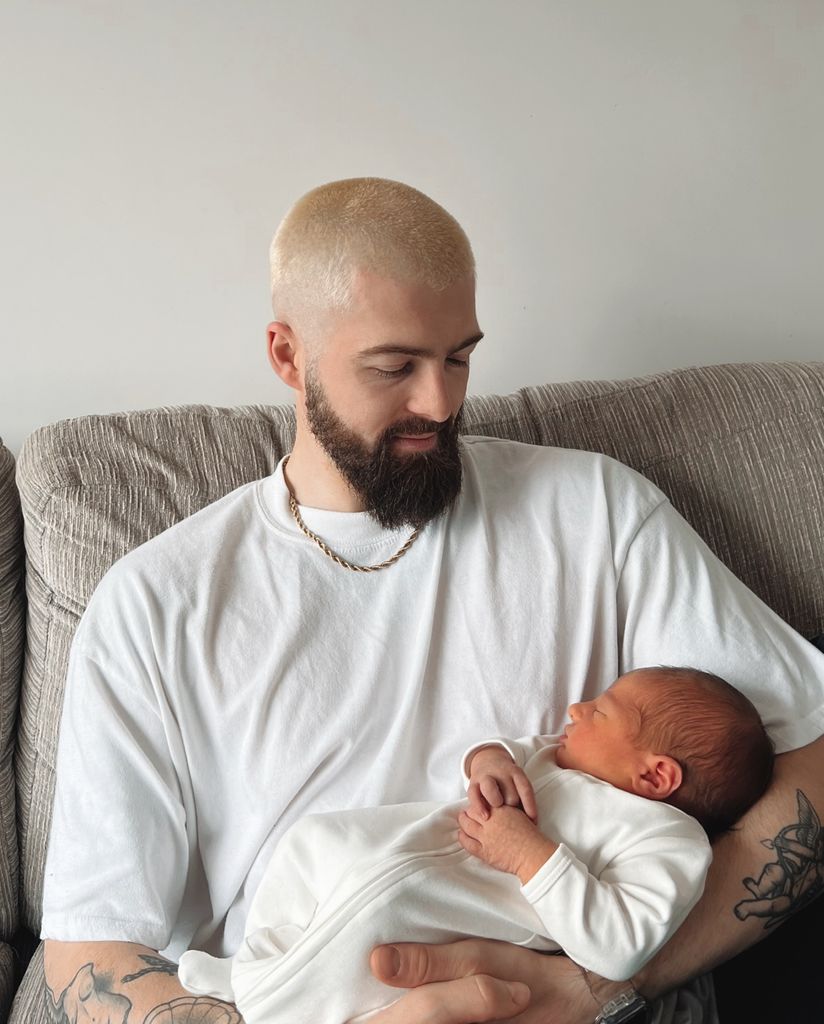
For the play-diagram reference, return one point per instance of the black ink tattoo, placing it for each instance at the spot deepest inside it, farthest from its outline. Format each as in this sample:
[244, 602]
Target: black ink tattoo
[795, 877]
[88, 997]
[194, 1010]
[157, 965]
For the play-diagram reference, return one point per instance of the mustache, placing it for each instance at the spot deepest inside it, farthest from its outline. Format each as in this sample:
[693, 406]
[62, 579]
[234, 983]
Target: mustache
[414, 426]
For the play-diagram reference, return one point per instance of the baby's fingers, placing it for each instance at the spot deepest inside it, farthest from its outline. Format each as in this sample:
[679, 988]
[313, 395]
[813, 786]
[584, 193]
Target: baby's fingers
[478, 807]
[527, 796]
[491, 791]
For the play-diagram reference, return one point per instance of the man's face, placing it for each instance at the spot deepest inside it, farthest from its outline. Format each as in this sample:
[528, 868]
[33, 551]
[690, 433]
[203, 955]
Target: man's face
[384, 395]
[602, 735]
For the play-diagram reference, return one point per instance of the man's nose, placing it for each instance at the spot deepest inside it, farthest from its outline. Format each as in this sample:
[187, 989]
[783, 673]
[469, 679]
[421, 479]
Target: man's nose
[431, 397]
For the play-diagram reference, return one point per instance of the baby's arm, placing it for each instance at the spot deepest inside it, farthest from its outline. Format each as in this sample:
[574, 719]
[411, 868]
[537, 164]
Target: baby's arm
[613, 922]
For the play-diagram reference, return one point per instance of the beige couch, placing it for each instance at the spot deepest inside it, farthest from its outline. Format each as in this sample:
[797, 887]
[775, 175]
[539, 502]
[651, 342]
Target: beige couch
[738, 449]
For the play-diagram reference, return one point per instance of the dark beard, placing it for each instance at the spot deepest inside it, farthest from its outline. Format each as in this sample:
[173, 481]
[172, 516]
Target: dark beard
[406, 490]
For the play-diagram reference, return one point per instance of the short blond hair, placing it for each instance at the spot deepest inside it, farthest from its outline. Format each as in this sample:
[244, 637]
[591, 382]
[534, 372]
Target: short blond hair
[370, 224]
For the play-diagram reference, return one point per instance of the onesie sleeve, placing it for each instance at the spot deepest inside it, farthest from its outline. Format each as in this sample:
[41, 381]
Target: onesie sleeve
[680, 605]
[614, 923]
[118, 852]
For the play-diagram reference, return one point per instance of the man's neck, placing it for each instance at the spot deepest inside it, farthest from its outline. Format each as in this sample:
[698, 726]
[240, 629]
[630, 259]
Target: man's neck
[315, 480]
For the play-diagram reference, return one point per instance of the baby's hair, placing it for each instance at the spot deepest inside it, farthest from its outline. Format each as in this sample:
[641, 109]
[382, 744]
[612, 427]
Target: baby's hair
[370, 224]
[716, 735]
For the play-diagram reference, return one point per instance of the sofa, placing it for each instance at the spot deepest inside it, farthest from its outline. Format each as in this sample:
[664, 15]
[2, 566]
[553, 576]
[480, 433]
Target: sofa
[739, 450]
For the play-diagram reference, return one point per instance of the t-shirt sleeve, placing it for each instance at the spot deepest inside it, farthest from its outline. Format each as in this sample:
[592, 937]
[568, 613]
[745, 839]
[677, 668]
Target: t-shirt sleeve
[118, 851]
[680, 605]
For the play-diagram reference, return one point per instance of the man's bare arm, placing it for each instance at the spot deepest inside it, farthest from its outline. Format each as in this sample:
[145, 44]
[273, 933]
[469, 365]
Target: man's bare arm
[121, 982]
[771, 866]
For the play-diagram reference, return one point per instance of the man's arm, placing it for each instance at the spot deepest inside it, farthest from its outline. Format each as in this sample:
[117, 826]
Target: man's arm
[771, 866]
[121, 982]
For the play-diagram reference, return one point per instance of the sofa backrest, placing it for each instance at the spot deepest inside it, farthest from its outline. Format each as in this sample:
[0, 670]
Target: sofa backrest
[738, 449]
[12, 618]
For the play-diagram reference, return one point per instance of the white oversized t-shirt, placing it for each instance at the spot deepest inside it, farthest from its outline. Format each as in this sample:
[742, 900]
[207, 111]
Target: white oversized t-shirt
[228, 678]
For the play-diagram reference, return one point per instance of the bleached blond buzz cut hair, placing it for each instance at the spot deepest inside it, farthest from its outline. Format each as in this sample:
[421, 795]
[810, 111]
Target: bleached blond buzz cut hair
[361, 224]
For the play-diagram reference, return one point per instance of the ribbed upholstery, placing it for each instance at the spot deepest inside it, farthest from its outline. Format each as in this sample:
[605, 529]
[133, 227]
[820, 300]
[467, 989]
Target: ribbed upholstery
[12, 640]
[738, 449]
[7, 967]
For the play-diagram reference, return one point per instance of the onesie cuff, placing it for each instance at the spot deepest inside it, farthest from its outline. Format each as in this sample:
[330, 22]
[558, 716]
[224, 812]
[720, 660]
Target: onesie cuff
[550, 872]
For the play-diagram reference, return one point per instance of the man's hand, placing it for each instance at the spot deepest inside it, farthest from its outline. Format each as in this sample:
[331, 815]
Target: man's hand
[496, 781]
[508, 841]
[482, 980]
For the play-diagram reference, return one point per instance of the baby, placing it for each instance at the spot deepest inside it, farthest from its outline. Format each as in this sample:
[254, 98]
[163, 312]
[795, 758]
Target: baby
[588, 843]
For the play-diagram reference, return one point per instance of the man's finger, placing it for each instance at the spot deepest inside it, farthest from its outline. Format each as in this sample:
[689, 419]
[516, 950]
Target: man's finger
[409, 964]
[461, 1001]
[464, 1001]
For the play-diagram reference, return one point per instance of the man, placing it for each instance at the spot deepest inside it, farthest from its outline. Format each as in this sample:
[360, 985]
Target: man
[387, 591]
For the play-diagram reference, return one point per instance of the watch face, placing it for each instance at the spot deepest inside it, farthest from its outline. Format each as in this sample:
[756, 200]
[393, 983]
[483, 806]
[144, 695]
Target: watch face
[627, 1008]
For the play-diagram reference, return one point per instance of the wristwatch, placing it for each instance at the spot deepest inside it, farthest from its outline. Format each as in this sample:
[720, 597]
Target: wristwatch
[629, 1007]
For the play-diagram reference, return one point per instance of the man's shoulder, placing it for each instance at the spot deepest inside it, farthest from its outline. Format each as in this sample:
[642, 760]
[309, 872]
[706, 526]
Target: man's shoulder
[518, 467]
[184, 550]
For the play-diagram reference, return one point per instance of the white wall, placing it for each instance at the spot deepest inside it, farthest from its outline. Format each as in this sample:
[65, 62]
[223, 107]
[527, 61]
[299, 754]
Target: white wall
[641, 179]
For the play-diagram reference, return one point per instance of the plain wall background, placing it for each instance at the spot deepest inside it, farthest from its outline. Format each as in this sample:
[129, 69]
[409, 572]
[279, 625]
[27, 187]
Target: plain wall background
[641, 181]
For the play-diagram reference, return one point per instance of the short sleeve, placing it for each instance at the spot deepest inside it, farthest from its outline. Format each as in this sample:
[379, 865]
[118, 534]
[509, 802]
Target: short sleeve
[680, 605]
[118, 851]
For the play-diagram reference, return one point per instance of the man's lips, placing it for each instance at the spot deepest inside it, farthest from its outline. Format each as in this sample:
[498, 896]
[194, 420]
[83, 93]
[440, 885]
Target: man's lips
[416, 442]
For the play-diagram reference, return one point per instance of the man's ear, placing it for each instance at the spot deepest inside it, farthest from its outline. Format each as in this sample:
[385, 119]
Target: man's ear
[284, 354]
[658, 777]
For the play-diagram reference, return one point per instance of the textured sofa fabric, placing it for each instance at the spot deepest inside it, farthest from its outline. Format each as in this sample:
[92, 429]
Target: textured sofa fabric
[738, 449]
[12, 615]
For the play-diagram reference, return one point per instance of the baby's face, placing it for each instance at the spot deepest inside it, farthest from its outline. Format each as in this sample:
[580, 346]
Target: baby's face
[601, 737]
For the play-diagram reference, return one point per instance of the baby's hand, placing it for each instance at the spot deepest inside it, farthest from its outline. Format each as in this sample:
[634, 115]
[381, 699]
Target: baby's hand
[508, 841]
[494, 781]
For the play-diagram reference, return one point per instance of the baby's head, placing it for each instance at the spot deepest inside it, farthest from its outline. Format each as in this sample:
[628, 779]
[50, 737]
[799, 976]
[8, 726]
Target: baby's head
[674, 734]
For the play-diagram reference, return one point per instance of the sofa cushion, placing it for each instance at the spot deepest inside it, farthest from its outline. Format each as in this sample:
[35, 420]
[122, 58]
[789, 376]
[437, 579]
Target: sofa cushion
[7, 979]
[739, 450]
[12, 619]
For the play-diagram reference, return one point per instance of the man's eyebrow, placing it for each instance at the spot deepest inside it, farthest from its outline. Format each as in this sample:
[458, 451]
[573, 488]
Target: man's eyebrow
[411, 350]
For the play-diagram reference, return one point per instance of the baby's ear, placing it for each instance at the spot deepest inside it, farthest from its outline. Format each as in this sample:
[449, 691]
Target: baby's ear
[658, 777]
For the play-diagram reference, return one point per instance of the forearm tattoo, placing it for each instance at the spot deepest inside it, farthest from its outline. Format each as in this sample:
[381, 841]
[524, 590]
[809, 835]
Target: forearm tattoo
[88, 997]
[194, 1010]
[156, 964]
[795, 877]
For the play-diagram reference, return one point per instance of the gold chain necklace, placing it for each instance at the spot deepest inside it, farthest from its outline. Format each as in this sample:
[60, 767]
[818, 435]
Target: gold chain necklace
[293, 508]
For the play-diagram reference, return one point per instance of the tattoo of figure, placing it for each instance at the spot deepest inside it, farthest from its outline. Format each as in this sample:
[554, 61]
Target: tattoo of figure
[88, 997]
[156, 964]
[194, 1010]
[795, 877]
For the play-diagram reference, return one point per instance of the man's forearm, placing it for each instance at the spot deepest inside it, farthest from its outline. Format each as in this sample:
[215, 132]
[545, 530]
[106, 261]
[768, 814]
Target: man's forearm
[761, 874]
[123, 983]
